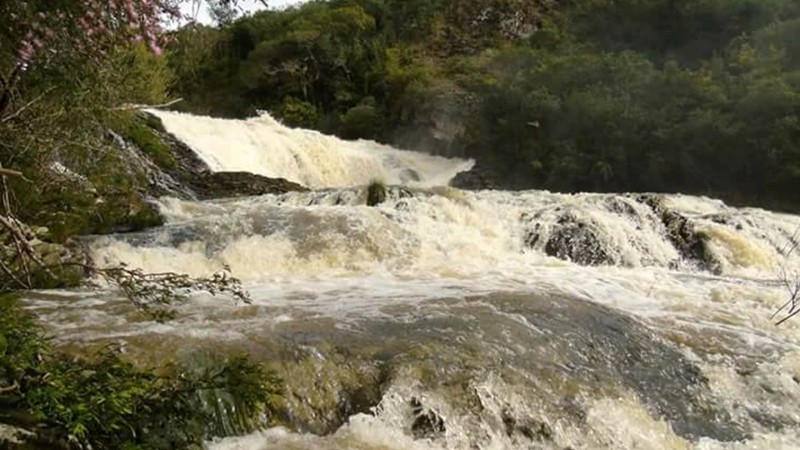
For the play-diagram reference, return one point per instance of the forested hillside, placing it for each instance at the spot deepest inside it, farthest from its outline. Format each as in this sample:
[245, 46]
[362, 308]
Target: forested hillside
[694, 96]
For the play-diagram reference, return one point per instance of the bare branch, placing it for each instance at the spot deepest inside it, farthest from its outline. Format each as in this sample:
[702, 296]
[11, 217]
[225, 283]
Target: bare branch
[7, 270]
[790, 282]
[13, 173]
[791, 314]
[139, 106]
[156, 293]
[12, 388]
[16, 113]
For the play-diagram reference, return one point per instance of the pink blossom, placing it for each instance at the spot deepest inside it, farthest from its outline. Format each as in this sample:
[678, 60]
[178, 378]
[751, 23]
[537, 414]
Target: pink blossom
[155, 48]
[100, 25]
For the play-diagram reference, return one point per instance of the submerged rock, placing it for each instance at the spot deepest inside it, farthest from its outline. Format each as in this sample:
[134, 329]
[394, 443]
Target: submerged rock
[322, 391]
[427, 423]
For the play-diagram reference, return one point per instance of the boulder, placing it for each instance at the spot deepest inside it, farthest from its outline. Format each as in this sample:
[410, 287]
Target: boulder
[475, 179]
[690, 243]
[376, 194]
[577, 242]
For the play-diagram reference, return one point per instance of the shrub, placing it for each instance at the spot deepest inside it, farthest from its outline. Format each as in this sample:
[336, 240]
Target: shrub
[107, 403]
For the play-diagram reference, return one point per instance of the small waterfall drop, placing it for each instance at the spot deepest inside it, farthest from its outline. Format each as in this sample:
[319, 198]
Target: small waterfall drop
[263, 146]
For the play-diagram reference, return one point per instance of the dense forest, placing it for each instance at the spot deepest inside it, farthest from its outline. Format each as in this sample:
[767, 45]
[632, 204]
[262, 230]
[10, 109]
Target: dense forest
[630, 95]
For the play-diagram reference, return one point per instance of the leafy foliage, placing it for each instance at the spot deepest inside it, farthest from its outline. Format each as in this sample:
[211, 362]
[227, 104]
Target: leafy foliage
[156, 294]
[107, 403]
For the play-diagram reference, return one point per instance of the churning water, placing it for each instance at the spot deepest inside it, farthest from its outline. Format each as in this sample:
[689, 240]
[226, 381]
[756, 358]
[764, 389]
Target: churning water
[444, 319]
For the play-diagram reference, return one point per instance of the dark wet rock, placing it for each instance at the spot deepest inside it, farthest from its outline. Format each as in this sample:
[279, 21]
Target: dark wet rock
[533, 235]
[376, 194]
[475, 179]
[532, 429]
[691, 244]
[211, 185]
[577, 242]
[427, 423]
[770, 421]
[620, 205]
[568, 238]
[408, 175]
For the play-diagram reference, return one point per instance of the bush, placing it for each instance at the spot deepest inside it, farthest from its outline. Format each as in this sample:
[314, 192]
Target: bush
[297, 113]
[107, 403]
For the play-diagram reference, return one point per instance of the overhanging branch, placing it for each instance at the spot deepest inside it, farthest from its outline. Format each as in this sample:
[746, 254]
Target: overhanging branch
[130, 106]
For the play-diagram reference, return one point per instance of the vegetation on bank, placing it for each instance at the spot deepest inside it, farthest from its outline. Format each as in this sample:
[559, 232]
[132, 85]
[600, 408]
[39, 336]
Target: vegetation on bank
[107, 403]
[689, 96]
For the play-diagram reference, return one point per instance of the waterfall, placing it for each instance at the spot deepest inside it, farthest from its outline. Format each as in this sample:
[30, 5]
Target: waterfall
[263, 146]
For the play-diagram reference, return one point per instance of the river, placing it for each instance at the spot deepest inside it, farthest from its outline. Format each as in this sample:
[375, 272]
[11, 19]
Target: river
[448, 319]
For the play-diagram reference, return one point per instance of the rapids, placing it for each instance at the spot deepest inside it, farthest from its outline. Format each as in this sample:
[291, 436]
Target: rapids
[445, 319]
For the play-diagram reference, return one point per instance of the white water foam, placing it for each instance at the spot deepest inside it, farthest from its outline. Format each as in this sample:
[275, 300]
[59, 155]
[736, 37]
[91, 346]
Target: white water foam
[263, 146]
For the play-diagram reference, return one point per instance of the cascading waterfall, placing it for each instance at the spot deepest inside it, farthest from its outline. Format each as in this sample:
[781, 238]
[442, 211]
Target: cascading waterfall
[263, 146]
[496, 320]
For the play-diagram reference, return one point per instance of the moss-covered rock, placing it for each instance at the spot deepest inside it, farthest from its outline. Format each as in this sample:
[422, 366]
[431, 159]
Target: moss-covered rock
[321, 392]
[376, 193]
[140, 130]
